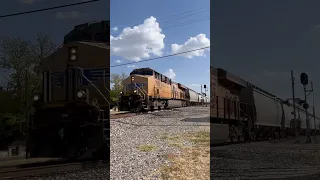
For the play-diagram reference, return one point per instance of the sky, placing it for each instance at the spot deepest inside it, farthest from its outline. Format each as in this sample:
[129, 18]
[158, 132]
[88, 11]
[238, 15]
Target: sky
[261, 41]
[145, 29]
[54, 23]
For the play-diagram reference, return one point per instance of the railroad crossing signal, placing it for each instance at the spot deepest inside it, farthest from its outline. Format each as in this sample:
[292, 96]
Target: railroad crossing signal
[305, 105]
[304, 79]
[204, 86]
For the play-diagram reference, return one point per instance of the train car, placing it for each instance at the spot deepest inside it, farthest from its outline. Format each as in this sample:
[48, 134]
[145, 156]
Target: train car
[194, 97]
[146, 89]
[70, 117]
[240, 111]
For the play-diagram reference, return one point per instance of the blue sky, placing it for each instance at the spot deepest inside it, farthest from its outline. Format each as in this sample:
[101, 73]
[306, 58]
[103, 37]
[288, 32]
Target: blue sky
[191, 71]
[262, 41]
[55, 23]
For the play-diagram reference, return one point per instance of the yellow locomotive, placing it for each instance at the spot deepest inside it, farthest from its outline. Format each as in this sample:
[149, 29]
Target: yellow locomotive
[146, 89]
[70, 114]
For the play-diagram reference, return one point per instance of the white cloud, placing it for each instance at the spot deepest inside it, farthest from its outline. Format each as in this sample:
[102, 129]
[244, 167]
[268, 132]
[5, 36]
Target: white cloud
[170, 74]
[115, 28]
[118, 61]
[192, 43]
[69, 15]
[131, 66]
[139, 42]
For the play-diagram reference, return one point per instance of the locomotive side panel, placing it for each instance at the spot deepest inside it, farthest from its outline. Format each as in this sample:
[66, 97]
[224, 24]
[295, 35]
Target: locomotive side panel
[161, 89]
[213, 86]
[223, 104]
[268, 110]
[175, 94]
[152, 91]
[181, 94]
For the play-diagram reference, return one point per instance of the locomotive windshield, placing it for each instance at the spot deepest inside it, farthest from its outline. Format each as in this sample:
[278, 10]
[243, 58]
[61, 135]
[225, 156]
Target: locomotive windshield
[147, 72]
[96, 31]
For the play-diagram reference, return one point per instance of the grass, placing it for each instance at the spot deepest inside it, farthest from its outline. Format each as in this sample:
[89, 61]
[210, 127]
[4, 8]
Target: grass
[194, 163]
[147, 148]
[167, 137]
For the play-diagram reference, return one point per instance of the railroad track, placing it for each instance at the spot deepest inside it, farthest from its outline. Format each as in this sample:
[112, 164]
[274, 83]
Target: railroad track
[246, 142]
[44, 169]
[130, 114]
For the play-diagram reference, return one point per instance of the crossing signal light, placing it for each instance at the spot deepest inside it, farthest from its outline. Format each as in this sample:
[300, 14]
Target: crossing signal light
[304, 78]
[204, 86]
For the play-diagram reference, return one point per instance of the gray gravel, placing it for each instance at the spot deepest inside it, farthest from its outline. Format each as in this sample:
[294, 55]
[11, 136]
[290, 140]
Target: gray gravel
[127, 134]
[265, 160]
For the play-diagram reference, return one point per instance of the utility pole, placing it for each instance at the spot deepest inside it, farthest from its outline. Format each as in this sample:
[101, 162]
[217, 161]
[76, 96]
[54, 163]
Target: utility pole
[205, 93]
[304, 82]
[27, 106]
[295, 122]
[313, 111]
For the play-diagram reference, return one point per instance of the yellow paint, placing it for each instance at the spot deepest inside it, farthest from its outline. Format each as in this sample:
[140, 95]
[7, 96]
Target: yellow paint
[155, 88]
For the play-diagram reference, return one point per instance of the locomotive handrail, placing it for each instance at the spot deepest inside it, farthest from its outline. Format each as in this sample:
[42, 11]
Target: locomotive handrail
[104, 82]
[145, 92]
[144, 95]
[93, 85]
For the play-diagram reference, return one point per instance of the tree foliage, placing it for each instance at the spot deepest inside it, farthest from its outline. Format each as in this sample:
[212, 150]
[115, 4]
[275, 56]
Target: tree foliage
[22, 59]
[116, 81]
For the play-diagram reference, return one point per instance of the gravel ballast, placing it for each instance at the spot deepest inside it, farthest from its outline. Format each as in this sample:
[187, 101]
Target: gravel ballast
[266, 160]
[128, 134]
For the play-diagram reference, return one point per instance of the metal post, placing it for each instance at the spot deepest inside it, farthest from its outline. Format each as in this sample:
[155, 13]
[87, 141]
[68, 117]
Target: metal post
[313, 112]
[295, 122]
[26, 110]
[206, 92]
[307, 117]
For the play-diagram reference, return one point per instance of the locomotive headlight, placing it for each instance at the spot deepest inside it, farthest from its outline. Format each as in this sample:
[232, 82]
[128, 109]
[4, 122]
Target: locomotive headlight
[121, 92]
[73, 50]
[73, 57]
[36, 97]
[81, 94]
[135, 91]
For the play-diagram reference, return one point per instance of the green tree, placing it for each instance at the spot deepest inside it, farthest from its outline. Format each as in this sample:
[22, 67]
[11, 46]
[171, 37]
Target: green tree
[116, 81]
[22, 58]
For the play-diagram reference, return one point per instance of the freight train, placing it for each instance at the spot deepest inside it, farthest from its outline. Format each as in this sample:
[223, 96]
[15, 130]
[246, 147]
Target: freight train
[241, 111]
[146, 89]
[70, 113]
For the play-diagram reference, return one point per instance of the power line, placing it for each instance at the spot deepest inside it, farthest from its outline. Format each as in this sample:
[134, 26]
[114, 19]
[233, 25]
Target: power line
[50, 8]
[187, 15]
[185, 12]
[161, 57]
[168, 27]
